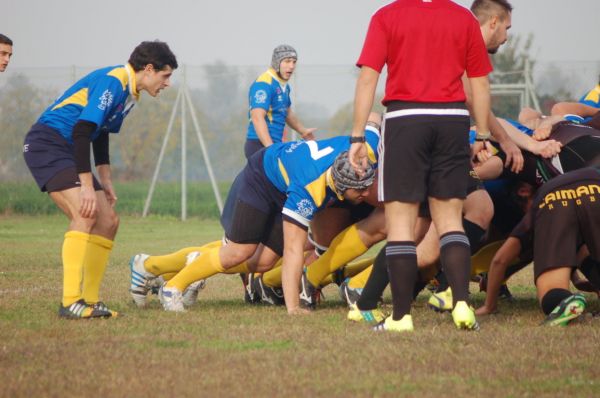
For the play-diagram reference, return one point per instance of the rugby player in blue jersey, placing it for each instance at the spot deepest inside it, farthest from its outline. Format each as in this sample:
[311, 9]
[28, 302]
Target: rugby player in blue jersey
[269, 208]
[6, 50]
[270, 103]
[57, 152]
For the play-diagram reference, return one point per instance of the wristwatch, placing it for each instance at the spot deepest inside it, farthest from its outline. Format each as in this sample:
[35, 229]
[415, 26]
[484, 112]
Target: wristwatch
[354, 140]
[483, 137]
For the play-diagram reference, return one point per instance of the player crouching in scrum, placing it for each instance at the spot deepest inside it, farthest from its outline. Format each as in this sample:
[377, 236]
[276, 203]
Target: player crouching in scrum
[267, 213]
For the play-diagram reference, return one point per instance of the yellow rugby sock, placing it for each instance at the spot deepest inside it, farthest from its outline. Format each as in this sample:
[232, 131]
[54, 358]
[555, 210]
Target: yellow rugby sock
[344, 247]
[272, 278]
[168, 276]
[205, 265]
[174, 262]
[241, 268]
[96, 258]
[356, 267]
[73, 255]
[359, 280]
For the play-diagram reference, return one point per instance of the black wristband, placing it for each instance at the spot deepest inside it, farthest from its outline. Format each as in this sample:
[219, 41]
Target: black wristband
[354, 140]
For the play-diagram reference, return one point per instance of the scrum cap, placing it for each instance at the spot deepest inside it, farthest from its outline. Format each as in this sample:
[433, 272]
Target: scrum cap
[344, 176]
[280, 53]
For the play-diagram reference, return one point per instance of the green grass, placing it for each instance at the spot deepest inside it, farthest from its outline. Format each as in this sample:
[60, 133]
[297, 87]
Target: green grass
[224, 347]
[25, 198]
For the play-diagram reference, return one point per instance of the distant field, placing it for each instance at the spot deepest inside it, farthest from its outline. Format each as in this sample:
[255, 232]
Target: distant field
[25, 198]
[223, 347]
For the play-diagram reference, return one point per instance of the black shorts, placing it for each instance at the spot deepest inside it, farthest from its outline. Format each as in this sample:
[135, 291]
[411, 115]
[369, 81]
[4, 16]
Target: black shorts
[424, 152]
[562, 225]
[474, 183]
[251, 147]
[252, 211]
[50, 159]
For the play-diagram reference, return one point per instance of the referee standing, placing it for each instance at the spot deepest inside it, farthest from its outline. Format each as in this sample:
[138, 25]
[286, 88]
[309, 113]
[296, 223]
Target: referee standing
[427, 45]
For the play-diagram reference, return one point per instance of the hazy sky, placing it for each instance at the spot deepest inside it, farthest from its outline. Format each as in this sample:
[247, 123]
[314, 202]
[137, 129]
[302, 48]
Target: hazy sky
[243, 32]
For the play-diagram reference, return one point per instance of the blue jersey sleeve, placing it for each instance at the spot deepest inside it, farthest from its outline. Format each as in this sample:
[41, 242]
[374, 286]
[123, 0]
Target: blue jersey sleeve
[299, 206]
[103, 95]
[260, 96]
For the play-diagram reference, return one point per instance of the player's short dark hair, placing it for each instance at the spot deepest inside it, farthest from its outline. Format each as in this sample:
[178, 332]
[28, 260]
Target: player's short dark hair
[485, 9]
[5, 40]
[154, 52]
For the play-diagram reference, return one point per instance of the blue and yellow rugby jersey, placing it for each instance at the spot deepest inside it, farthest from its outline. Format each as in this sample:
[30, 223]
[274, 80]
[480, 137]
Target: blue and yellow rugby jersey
[592, 97]
[102, 97]
[272, 94]
[301, 169]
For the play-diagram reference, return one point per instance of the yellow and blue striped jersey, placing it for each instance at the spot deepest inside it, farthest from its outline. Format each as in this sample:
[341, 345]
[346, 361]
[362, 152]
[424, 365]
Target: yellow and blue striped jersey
[302, 169]
[592, 97]
[104, 97]
[272, 94]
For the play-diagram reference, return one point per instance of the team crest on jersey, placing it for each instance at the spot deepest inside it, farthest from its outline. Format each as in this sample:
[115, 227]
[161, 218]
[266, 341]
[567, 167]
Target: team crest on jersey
[260, 96]
[106, 100]
[278, 90]
[305, 208]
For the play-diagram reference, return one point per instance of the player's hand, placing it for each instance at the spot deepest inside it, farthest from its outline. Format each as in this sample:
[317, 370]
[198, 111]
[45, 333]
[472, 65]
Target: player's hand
[514, 157]
[298, 311]
[485, 310]
[309, 134]
[358, 157]
[87, 202]
[547, 148]
[482, 151]
[109, 192]
[542, 132]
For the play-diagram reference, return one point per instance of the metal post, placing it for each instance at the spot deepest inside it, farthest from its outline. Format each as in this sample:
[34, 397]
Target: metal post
[183, 159]
[211, 175]
[162, 153]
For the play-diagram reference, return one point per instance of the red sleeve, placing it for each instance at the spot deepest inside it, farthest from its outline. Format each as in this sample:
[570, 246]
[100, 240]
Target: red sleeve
[478, 60]
[374, 52]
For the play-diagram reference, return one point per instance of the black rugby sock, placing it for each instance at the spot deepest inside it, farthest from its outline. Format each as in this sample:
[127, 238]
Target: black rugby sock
[376, 284]
[474, 233]
[455, 256]
[402, 268]
[553, 298]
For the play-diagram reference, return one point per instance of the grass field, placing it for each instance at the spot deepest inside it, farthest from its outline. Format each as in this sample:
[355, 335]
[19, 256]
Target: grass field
[223, 347]
[25, 198]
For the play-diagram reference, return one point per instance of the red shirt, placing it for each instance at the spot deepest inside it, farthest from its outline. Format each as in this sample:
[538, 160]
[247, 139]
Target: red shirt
[427, 45]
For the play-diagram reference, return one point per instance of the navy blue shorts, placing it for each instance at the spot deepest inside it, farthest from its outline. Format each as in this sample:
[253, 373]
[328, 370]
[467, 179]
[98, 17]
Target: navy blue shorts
[252, 212]
[49, 157]
[251, 147]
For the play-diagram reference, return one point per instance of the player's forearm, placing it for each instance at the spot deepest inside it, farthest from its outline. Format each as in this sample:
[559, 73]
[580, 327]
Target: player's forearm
[104, 173]
[480, 89]
[294, 238]
[290, 278]
[497, 130]
[522, 140]
[496, 274]
[86, 179]
[364, 97]
[262, 130]
[293, 121]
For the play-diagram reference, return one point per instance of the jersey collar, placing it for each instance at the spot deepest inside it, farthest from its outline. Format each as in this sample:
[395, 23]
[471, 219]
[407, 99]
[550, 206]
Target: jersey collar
[132, 85]
[275, 75]
[331, 185]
